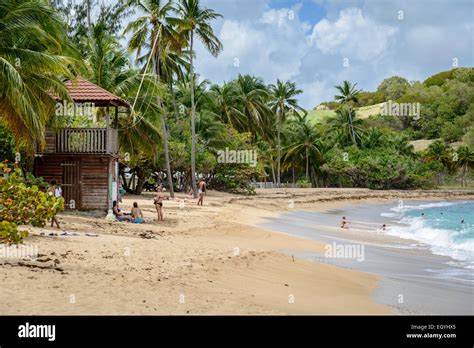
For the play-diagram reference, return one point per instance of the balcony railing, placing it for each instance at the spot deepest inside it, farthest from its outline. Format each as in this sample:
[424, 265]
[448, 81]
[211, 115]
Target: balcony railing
[82, 141]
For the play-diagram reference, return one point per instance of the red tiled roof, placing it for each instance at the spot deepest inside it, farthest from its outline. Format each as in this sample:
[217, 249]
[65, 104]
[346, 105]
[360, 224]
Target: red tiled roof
[82, 90]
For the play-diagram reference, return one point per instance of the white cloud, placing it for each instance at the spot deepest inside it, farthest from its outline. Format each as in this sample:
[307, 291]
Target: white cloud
[270, 45]
[352, 35]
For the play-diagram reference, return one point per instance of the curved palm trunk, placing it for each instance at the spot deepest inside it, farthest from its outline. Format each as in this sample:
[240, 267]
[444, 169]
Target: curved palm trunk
[278, 154]
[273, 168]
[464, 175]
[173, 98]
[352, 127]
[307, 163]
[169, 177]
[193, 123]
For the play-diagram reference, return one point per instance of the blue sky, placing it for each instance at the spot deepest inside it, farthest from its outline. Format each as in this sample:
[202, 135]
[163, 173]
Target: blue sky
[320, 43]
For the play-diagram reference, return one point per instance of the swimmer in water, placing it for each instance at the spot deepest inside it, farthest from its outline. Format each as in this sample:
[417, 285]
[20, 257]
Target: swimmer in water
[344, 222]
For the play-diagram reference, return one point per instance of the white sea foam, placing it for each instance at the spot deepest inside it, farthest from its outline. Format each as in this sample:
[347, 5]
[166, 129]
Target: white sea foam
[441, 241]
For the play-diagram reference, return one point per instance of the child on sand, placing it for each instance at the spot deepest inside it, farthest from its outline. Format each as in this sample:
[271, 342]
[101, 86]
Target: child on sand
[344, 222]
[158, 202]
[137, 214]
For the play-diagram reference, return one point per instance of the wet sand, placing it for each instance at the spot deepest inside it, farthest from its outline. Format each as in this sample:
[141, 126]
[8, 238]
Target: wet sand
[414, 280]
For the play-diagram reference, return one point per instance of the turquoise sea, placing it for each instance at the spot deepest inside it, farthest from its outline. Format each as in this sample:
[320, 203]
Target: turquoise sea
[447, 227]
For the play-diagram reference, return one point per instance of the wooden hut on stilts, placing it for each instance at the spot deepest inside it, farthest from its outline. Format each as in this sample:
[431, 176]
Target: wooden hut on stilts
[84, 161]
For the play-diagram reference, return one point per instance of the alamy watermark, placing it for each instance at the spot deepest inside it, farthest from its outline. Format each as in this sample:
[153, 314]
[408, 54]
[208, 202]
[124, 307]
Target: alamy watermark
[19, 251]
[391, 108]
[345, 251]
[76, 109]
[237, 156]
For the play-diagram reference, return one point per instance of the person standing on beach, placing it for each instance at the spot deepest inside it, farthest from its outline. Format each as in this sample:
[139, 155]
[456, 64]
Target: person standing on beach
[56, 191]
[158, 201]
[202, 191]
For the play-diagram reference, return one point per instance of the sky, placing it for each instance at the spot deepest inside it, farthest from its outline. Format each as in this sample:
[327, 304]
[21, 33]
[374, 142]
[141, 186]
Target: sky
[319, 43]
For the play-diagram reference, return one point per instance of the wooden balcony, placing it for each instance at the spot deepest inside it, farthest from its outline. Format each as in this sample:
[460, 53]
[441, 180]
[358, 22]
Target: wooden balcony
[81, 141]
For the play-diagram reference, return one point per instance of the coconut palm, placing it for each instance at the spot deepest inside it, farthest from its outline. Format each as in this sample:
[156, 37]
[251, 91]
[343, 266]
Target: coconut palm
[156, 32]
[35, 55]
[108, 66]
[304, 143]
[465, 159]
[283, 101]
[373, 138]
[347, 126]
[348, 94]
[252, 99]
[225, 104]
[196, 22]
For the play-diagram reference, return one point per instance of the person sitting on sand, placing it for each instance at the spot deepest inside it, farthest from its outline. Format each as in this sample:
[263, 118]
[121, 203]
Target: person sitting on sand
[344, 222]
[158, 202]
[120, 216]
[56, 191]
[137, 214]
[202, 191]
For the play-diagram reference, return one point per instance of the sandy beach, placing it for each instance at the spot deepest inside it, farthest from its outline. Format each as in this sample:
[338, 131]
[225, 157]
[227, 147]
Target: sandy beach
[215, 259]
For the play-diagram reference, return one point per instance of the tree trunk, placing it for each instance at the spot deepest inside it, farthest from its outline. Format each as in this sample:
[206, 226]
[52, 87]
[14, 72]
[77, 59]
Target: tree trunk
[140, 182]
[278, 150]
[464, 175]
[169, 177]
[273, 168]
[173, 98]
[164, 129]
[352, 127]
[293, 170]
[307, 164]
[89, 22]
[193, 122]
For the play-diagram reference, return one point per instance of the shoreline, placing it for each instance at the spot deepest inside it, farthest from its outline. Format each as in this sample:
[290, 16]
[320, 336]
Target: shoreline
[199, 261]
[407, 268]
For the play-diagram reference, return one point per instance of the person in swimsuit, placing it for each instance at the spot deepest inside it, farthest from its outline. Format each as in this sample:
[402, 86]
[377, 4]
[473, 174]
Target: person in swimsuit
[201, 191]
[158, 201]
[344, 222]
[55, 191]
[118, 213]
[137, 214]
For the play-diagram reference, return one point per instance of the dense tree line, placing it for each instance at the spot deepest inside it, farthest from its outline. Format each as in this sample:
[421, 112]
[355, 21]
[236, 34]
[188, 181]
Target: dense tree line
[180, 122]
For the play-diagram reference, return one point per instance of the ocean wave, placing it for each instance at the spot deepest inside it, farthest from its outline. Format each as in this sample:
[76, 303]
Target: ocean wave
[441, 241]
[401, 208]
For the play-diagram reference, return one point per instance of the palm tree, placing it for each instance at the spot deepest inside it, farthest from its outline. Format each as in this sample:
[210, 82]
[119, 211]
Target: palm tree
[108, 66]
[348, 93]
[252, 99]
[35, 56]
[156, 31]
[196, 21]
[439, 151]
[373, 138]
[283, 100]
[225, 104]
[304, 143]
[465, 159]
[347, 125]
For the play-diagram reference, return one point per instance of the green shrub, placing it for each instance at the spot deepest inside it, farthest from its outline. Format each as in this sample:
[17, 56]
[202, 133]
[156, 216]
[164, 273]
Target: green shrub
[451, 132]
[23, 203]
[303, 183]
